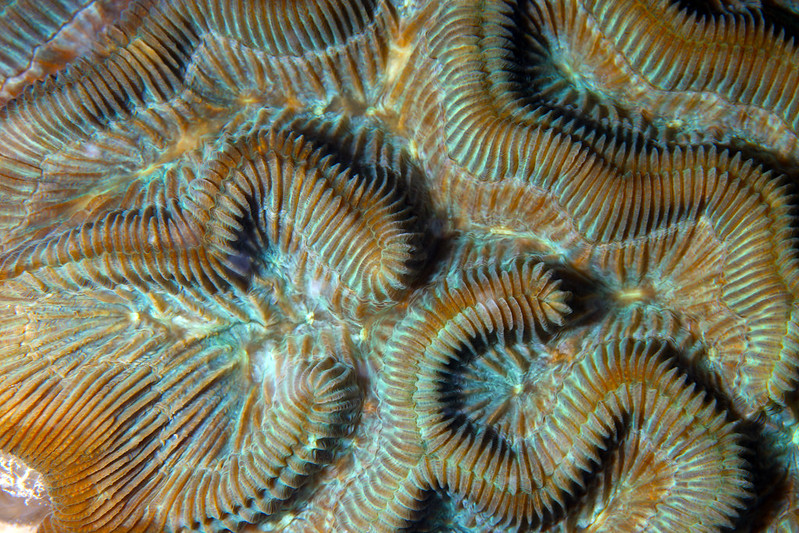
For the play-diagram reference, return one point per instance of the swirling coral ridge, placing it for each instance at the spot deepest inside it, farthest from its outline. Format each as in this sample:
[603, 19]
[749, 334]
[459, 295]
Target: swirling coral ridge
[382, 265]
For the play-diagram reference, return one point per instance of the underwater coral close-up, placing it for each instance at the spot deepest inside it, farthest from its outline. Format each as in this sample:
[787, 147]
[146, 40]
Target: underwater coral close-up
[399, 265]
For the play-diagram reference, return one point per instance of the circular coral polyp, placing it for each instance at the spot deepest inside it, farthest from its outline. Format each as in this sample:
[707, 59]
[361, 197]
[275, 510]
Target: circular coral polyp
[495, 387]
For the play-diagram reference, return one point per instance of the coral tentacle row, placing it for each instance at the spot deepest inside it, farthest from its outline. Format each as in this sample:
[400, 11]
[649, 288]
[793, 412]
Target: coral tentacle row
[104, 122]
[524, 475]
[478, 307]
[694, 467]
[566, 185]
[737, 74]
[680, 200]
[148, 247]
[283, 438]
[54, 35]
[488, 66]
[337, 229]
[158, 441]
[290, 53]
[285, 28]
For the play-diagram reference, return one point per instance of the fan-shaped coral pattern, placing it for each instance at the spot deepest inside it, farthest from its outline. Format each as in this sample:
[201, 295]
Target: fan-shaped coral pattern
[382, 265]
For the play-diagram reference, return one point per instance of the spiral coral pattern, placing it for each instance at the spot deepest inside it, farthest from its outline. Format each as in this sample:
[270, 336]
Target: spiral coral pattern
[385, 265]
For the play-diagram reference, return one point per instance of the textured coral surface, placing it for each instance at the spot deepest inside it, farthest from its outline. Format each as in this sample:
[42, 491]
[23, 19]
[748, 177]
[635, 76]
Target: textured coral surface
[385, 265]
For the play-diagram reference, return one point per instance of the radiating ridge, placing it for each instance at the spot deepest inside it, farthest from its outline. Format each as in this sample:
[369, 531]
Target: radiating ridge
[346, 235]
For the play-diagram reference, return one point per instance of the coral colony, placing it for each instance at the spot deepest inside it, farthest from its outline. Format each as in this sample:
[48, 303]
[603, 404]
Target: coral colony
[386, 265]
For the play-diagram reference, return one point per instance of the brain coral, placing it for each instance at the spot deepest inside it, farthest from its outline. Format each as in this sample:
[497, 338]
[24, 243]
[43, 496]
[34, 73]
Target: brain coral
[385, 265]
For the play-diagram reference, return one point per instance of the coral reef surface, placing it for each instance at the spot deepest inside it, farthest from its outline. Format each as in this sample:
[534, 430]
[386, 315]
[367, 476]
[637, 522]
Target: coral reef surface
[386, 265]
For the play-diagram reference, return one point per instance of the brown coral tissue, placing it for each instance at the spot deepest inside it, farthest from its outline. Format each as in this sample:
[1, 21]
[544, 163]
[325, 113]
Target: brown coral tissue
[399, 265]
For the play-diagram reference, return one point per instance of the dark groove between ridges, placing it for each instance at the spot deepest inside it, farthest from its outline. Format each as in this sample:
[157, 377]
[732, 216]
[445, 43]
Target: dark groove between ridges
[770, 486]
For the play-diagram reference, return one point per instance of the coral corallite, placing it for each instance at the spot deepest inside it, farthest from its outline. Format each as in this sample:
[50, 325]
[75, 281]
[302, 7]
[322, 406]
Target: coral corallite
[399, 265]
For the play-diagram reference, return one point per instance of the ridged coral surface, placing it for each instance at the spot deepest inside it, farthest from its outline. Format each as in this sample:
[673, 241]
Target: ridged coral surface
[384, 265]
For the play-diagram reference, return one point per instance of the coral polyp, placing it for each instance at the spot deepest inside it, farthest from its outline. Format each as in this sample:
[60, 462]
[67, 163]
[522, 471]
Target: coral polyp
[385, 265]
